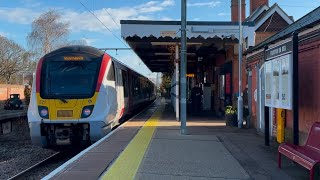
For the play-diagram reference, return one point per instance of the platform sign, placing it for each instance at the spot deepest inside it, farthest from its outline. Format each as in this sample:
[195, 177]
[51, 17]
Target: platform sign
[278, 77]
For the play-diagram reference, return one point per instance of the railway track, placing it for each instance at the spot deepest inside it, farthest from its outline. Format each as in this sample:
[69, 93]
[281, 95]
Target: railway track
[25, 172]
[41, 168]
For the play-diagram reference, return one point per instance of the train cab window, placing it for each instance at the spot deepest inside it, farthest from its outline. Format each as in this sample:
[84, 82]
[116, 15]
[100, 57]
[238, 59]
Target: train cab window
[110, 75]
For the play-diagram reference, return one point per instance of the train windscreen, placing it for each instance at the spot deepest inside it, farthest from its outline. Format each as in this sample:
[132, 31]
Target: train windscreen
[69, 78]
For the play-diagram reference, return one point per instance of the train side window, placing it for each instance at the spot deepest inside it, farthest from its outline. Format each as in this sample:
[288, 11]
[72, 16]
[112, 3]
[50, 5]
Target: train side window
[136, 90]
[110, 75]
[125, 83]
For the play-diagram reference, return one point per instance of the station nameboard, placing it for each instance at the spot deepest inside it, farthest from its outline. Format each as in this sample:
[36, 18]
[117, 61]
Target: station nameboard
[278, 77]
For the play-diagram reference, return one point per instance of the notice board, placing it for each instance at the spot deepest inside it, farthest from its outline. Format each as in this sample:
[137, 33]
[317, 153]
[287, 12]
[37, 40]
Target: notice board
[278, 77]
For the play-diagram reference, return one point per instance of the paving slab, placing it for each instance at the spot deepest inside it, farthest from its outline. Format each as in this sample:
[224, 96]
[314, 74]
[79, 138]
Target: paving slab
[192, 156]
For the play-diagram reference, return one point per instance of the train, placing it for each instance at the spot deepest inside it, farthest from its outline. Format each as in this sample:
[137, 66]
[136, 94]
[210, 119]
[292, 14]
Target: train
[80, 94]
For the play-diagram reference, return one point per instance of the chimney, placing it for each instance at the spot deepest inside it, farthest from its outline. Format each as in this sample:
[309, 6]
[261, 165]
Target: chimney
[235, 10]
[255, 4]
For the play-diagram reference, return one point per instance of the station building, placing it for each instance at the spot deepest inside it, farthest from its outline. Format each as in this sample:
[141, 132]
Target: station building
[212, 49]
[307, 29]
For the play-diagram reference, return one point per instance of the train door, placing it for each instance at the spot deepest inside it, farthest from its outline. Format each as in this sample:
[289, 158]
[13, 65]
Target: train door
[125, 90]
[120, 95]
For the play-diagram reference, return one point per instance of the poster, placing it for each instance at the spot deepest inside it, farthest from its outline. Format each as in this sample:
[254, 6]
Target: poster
[268, 83]
[275, 82]
[278, 82]
[285, 82]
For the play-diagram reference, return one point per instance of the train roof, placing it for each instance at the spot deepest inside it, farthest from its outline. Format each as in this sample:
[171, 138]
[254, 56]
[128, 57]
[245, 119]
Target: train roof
[90, 50]
[76, 48]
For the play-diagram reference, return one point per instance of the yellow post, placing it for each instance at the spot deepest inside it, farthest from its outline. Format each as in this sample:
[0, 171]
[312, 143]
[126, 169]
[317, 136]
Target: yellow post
[281, 118]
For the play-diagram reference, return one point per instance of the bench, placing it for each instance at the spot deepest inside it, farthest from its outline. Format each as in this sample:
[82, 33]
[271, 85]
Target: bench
[308, 155]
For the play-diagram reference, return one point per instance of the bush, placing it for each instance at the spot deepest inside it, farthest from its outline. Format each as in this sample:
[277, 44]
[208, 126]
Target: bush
[231, 116]
[27, 94]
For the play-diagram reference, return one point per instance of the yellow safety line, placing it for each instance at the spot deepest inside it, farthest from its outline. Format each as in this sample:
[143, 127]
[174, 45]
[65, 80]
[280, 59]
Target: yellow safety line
[127, 164]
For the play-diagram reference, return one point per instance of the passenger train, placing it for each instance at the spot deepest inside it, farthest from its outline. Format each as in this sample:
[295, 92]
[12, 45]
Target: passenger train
[80, 94]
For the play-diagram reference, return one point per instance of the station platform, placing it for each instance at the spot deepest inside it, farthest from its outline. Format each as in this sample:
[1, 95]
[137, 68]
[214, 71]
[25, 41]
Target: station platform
[150, 146]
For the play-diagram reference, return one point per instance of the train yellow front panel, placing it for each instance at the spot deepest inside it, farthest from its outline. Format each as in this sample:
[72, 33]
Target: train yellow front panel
[71, 109]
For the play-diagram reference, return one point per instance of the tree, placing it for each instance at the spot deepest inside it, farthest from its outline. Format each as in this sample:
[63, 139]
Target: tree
[12, 58]
[165, 83]
[48, 33]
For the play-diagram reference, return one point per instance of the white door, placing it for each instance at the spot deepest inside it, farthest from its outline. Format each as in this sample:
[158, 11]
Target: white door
[120, 96]
[261, 99]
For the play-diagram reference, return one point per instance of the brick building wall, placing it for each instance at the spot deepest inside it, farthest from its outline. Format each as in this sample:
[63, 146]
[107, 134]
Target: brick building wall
[274, 23]
[235, 10]
[255, 4]
[261, 36]
[6, 90]
[309, 97]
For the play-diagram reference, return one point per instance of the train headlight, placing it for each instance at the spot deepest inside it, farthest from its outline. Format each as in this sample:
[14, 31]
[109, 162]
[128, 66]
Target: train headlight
[86, 111]
[43, 112]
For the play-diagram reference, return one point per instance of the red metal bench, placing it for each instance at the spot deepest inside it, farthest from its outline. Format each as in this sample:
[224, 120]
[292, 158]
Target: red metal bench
[308, 155]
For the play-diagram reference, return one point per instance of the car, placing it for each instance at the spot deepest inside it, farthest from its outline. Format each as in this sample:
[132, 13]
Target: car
[14, 102]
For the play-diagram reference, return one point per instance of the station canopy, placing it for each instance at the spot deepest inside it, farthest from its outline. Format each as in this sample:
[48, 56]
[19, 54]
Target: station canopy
[154, 41]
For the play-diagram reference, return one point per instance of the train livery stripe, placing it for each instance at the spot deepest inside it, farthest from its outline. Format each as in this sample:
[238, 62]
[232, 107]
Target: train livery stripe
[127, 164]
[38, 76]
[104, 63]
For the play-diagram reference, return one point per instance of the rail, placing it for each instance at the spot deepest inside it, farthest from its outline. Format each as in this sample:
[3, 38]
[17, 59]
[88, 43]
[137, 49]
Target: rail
[43, 162]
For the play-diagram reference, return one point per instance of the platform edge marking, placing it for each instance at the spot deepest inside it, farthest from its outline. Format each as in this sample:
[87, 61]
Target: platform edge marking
[128, 162]
[66, 164]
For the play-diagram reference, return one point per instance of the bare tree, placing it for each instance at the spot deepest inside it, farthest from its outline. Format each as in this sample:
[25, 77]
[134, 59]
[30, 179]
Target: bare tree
[48, 33]
[12, 58]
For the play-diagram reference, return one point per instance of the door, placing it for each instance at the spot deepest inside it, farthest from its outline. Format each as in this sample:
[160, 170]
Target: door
[120, 95]
[250, 95]
[261, 91]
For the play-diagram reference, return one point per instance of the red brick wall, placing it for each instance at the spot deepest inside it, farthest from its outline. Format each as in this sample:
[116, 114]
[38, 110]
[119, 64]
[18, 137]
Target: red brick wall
[254, 4]
[6, 90]
[235, 10]
[261, 36]
[309, 96]
[254, 87]
[309, 73]
[274, 23]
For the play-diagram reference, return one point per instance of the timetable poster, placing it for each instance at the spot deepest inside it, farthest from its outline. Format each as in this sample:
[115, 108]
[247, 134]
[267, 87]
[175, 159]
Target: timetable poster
[286, 83]
[268, 83]
[276, 82]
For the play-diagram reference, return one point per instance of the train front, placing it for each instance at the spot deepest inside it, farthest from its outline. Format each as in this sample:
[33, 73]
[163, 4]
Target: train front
[64, 102]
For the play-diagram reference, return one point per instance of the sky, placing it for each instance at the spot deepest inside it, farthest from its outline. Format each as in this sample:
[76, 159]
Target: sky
[16, 17]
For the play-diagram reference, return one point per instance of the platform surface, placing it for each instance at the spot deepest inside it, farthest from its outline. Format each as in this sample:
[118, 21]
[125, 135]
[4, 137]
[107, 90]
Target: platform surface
[150, 147]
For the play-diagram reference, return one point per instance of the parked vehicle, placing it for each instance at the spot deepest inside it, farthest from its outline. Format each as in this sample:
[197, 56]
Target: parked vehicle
[14, 102]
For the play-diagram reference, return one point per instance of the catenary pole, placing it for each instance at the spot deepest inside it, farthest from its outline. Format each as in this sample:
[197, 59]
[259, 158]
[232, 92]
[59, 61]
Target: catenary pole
[183, 68]
[240, 100]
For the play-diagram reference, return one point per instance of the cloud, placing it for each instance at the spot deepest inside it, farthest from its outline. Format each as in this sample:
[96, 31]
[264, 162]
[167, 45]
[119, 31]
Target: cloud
[88, 41]
[18, 15]
[210, 4]
[224, 14]
[31, 3]
[5, 34]
[87, 22]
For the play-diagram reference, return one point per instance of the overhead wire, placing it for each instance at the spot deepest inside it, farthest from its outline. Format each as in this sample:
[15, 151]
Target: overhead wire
[112, 18]
[102, 23]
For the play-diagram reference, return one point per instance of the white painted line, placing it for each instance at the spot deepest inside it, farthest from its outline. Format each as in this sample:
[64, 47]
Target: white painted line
[63, 166]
